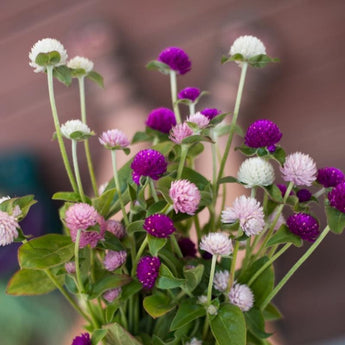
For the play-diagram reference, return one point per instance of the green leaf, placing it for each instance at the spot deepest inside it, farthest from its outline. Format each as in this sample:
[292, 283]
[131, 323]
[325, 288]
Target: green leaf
[110, 242]
[67, 196]
[157, 207]
[141, 137]
[156, 244]
[108, 282]
[229, 326]
[130, 289]
[279, 155]
[26, 282]
[96, 77]
[97, 336]
[274, 193]
[46, 251]
[42, 59]
[193, 277]
[188, 311]
[272, 313]
[261, 60]
[247, 151]
[195, 150]
[118, 335]
[54, 57]
[158, 66]
[71, 284]
[228, 179]
[335, 219]
[218, 119]
[158, 305]
[167, 280]
[135, 226]
[24, 203]
[196, 139]
[63, 74]
[284, 235]
[256, 323]
[103, 203]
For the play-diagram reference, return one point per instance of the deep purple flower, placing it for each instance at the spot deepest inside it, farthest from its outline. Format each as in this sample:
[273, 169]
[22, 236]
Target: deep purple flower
[149, 163]
[176, 59]
[147, 271]
[191, 93]
[161, 119]
[303, 225]
[187, 247]
[336, 197]
[329, 176]
[303, 195]
[262, 133]
[210, 112]
[159, 225]
[83, 339]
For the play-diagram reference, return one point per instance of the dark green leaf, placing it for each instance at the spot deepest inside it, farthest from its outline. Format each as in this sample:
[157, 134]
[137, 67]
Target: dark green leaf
[272, 313]
[110, 242]
[284, 235]
[335, 219]
[96, 77]
[97, 336]
[261, 60]
[196, 139]
[157, 207]
[279, 155]
[130, 289]
[135, 226]
[248, 151]
[140, 137]
[70, 284]
[103, 203]
[274, 193]
[158, 66]
[256, 323]
[195, 150]
[63, 74]
[67, 196]
[228, 179]
[193, 277]
[157, 305]
[54, 57]
[108, 282]
[118, 335]
[42, 59]
[218, 119]
[167, 280]
[156, 244]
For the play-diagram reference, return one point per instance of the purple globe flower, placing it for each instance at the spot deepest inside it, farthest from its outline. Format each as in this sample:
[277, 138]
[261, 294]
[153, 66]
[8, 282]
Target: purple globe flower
[329, 176]
[336, 197]
[176, 59]
[262, 133]
[83, 339]
[147, 271]
[149, 163]
[187, 247]
[283, 189]
[159, 225]
[161, 119]
[304, 225]
[303, 195]
[191, 93]
[210, 112]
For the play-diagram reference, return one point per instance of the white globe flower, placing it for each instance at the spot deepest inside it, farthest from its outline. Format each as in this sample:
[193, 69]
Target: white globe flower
[242, 296]
[248, 46]
[221, 280]
[79, 62]
[73, 126]
[216, 243]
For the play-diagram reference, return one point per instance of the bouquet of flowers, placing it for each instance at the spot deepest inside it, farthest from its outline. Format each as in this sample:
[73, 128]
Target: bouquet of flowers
[136, 260]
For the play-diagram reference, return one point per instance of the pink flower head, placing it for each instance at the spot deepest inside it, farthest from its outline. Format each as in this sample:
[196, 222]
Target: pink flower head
[216, 243]
[113, 260]
[221, 280]
[8, 228]
[116, 228]
[111, 294]
[242, 296]
[70, 267]
[114, 139]
[300, 169]
[179, 132]
[199, 119]
[185, 196]
[82, 216]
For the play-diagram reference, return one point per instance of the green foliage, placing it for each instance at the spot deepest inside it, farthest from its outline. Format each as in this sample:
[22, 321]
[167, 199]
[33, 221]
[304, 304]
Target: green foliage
[158, 66]
[108, 282]
[63, 74]
[158, 305]
[336, 219]
[95, 77]
[284, 235]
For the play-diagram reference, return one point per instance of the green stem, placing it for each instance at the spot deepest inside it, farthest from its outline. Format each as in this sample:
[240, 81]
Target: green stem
[153, 190]
[294, 268]
[58, 130]
[76, 170]
[184, 151]
[77, 267]
[319, 193]
[176, 246]
[253, 192]
[233, 266]
[191, 108]
[173, 89]
[210, 282]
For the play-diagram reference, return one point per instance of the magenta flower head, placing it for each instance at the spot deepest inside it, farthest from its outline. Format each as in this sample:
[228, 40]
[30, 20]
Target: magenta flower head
[159, 225]
[304, 226]
[147, 271]
[114, 139]
[336, 197]
[330, 177]
[187, 247]
[262, 133]
[161, 119]
[149, 163]
[8, 228]
[83, 339]
[82, 216]
[116, 228]
[179, 132]
[190, 93]
[176, 59]
[303, 195]
[113, 259]
[210, 112]
[185, 196]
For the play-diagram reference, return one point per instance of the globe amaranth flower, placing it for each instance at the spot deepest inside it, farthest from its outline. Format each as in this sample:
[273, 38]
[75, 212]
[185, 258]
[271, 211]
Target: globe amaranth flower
[216, 243]
[83, 339]
[161, 119]
[70, 267]
[336, 197]
[199, 119]
[330, 177]
[111, 294]
[242, 296]
[159, 225]
[187, 247]
[114, 259]
[299, 168]
[147, 271]
[248, 46]
[262, 133]
[73, 126]
[248, 212]
[114, 139]
[149, 163]
[185, 196]
[303, 225]
[303, 195]
[82, 216]
[190, 93]
[256, 171]
[176, 59]
[116, 228]
[221, 280]
[47, 45]
[79, 62]
[8, 228]
[180, 132]
[210, 113]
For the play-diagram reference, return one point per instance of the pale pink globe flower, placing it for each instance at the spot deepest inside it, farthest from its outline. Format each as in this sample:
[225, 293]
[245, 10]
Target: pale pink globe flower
[116, 228]
[216, 243]
[70, 267]
[111, 294]
[180, 132]
[199, 119]
[221, 280]
[114, 259]
[242, 296]
[114, 138]
[8, 228]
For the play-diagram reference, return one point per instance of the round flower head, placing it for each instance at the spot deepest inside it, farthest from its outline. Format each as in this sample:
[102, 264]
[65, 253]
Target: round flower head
[116, 228]
[70, 267]
[73, 126]
[329, 176]
[299, 168]
[256, 171]
[47, 45]
[114, 139]
[303, 195]
[194, 341]
[79, 62]
[242, 296]
[185, 196]
[111, 294]
[199, 119]
[179, 132]
[248, 46]
[176, 59]
[303, 225]
[262, 133]
[190, 93]
[187, 247]
[248, 212]
[210, 113]
[336, 197]
[221, 280]
[83, 339]
[216, 243]
[161, 119]
[159, 225]
[113, 260]
[8, 228]
[149, 163]
[147, 271]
